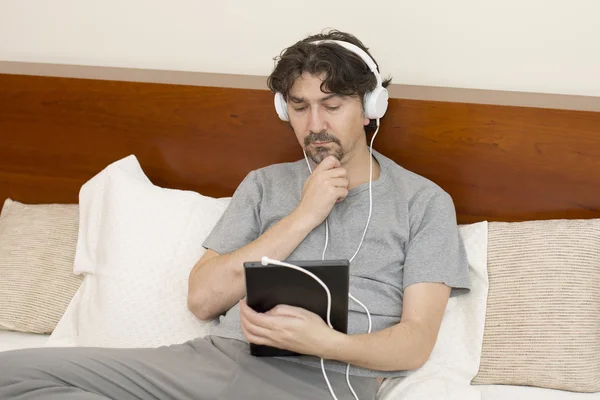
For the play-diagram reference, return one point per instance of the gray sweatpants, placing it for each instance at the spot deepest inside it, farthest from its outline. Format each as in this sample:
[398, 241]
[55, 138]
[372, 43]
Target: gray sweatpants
[202, 369]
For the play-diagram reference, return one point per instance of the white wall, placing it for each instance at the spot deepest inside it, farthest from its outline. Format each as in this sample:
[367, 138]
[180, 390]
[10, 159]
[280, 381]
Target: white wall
[550, 46]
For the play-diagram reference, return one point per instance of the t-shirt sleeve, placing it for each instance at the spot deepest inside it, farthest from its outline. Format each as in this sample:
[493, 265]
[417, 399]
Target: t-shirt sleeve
[240, 223]
[435, 251]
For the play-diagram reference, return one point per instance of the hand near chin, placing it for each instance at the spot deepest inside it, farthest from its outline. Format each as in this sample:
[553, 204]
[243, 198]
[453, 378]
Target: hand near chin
[325, 187]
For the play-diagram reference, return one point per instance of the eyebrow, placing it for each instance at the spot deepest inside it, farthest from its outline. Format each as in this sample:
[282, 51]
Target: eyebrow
[295, 99]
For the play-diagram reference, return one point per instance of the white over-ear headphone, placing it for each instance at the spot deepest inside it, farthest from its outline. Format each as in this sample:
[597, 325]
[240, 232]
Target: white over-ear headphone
[375, 102]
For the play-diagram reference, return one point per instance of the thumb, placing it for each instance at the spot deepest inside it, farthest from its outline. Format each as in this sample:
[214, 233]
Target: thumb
[283, 310]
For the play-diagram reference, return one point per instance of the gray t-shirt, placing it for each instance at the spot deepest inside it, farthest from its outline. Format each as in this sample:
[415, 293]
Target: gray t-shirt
[412, 237]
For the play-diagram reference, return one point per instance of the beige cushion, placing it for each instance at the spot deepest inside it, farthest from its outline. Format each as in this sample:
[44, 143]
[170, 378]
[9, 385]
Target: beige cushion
[543, 311]
[37, 248]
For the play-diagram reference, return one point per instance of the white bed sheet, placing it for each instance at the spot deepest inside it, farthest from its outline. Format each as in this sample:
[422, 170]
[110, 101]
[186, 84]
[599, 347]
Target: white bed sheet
[18, 340]
[504, 392]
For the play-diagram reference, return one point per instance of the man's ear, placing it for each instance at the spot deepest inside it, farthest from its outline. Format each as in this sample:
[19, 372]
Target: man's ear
[367, 121]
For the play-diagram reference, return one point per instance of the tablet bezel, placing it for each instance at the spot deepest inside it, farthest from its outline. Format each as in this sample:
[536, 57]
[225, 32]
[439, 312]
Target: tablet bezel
[267, 286]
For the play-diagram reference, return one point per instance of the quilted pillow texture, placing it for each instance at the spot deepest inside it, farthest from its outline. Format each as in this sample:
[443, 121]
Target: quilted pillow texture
[137, 244]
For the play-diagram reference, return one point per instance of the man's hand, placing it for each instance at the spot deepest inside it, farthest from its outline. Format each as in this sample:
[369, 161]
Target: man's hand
[326, 186]
[289, 328]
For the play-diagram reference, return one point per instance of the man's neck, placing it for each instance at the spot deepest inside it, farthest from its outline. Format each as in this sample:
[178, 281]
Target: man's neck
[357, 169]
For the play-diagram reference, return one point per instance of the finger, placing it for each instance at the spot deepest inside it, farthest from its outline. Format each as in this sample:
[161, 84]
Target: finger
[243, 326]
[328, 163]
[256, 339]
[338, 172]
[288, 312]
[246, 312]
[255, 331]
[255, 318]
[244, 307]
[339, 182]
[284, 310]
[341, 194]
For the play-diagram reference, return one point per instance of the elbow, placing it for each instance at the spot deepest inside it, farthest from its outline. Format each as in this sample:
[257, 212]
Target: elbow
[419, 361]
[413, 362]
[423, 354]
[410, 362]
[211, 290]
[423, 344]
[198, 297]
[200, 306]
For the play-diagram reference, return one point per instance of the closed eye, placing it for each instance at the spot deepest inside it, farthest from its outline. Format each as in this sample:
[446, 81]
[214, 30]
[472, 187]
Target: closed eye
[332, 108]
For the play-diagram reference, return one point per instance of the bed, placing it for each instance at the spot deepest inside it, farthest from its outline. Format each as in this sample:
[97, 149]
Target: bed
[61, 125]
[11, 340]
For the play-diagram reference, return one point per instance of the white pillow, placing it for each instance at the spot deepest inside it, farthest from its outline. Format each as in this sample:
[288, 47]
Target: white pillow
[136, 246]
[457, 353]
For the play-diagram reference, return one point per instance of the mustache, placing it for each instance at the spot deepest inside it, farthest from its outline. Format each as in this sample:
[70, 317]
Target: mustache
[322, 136]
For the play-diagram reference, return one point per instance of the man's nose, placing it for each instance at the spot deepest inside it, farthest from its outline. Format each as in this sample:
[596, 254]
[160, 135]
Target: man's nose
[317, 121]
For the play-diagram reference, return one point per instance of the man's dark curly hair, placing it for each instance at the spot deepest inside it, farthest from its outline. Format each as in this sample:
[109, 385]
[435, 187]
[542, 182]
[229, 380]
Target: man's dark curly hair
[344, 72]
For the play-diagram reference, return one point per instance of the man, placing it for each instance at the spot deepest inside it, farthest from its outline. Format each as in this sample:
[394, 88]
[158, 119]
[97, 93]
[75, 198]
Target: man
[404, 270]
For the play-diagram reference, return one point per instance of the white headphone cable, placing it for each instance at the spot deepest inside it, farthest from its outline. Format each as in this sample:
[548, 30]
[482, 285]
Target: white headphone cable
[351, 259]
[359, 246]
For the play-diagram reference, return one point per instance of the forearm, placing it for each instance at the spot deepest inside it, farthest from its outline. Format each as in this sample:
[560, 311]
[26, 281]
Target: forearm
[217, 284]
[404, 346]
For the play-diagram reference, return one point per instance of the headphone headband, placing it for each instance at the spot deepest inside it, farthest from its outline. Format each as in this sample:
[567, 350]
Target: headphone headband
[375, 102]
[359, 52]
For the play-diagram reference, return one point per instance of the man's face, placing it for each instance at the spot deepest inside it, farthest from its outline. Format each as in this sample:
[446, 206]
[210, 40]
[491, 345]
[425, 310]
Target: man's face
[325, 123]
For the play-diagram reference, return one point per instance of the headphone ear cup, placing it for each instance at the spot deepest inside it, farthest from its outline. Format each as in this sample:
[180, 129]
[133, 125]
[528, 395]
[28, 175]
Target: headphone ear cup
[376, 103]
[281, 107]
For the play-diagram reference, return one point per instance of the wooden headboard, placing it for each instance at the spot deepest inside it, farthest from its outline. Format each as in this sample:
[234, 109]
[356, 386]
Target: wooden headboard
[499, 163]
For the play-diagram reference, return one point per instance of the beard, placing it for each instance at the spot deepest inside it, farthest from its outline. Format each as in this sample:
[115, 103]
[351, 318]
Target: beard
[319, 153]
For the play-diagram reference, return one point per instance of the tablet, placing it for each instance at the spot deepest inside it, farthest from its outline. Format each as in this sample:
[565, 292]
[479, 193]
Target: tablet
[270, 285]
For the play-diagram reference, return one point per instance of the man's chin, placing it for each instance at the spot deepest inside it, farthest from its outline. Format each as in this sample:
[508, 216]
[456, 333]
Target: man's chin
[319, 155]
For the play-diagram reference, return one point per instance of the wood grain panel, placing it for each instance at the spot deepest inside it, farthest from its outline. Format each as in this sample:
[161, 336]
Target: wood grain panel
[60, 132]
[498, 162]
